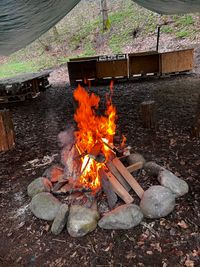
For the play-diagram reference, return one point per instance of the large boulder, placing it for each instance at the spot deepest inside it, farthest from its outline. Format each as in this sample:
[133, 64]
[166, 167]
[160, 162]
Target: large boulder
[39, 185]
[157, 202]
[81, 220]
[178, 186]
[135, 157]
[124, 217]
[152, 168]
[45, 206]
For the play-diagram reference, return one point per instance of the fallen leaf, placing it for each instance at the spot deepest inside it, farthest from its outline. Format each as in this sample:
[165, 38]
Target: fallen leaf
[189, 263]
[182, 224]
[149, 252]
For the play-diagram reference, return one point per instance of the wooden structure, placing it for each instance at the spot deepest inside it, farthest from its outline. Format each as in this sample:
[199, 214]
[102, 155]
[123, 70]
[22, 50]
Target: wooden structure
[112, 67]
[176, 61]
[147, 109]
[130, 66]
[7, 138]
[143, 64]
[23, 86]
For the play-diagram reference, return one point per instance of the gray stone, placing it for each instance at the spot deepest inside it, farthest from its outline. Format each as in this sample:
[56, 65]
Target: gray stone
[81, 220]
[60, 220]
[45, 206]
[152, 168]
[171, 181]
[135, 157]
[39, 185]
[157, 202]
[123, 217]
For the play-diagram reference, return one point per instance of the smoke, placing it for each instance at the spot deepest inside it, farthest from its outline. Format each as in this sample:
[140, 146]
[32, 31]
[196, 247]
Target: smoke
[66, 137]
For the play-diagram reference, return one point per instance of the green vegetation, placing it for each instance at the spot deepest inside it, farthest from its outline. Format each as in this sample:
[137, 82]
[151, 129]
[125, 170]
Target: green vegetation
[12, 68]
[80, 34]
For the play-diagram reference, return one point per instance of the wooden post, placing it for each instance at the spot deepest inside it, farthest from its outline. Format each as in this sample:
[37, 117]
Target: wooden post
[158, 39]
[196, 125]
[7, 137]
[147, 109]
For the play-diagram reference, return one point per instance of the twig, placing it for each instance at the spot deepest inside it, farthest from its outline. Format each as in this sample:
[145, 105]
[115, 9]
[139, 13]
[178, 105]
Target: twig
[59, 240]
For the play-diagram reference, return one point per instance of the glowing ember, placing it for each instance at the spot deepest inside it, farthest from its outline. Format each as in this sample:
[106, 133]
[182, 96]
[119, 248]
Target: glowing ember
[94, 131]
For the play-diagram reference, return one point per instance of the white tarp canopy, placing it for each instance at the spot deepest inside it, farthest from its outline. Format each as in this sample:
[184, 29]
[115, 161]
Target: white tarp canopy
[23, 21]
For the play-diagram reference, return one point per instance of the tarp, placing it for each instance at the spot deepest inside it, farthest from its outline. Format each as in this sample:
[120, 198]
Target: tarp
[23, 21]
[171, 6]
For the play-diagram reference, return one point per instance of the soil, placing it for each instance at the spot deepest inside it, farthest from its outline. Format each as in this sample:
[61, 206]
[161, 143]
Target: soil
[171, 241]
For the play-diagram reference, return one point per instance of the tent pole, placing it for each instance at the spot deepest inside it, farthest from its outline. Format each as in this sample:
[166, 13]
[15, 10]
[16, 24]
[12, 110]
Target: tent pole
[158, 38]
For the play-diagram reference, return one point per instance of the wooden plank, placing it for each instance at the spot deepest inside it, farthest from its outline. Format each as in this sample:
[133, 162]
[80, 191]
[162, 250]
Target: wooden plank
[117, 174]
[176, 61]
[119, 189]
[112, 68]
[143, 63]
[134, 167]
[129, 178]
[80, 70]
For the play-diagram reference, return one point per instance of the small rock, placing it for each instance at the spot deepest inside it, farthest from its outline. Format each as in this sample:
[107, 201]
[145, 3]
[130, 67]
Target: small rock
[171, 181]
[123, 217]
[135, 157]
[60, 220]
[53, 173]
[39, 185]
[152, 168]
[81, 220]
[157, 202]
[45, 206]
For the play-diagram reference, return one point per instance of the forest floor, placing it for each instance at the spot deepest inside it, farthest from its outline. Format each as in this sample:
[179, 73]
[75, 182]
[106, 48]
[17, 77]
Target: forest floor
[173, 241]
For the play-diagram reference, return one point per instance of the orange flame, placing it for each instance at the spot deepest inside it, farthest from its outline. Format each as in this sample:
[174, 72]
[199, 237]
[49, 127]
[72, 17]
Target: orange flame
[93, 132]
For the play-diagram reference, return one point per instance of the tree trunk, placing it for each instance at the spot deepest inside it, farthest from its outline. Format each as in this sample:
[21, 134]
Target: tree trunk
[147, 109]
[55, 32]
[7, 138]
[196, 125]
[104, 14]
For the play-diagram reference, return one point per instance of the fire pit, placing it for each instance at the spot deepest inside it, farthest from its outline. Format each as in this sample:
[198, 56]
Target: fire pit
[94, 169]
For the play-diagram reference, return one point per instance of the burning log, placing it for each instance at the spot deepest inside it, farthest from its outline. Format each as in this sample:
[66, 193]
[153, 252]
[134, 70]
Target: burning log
[7, 138]
[108, 190]
[129, 178]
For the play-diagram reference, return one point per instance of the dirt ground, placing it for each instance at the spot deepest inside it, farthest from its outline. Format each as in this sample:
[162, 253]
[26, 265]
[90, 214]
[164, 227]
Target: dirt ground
[173, 241]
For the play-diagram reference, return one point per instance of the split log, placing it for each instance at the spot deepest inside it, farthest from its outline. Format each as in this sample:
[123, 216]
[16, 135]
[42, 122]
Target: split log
[7, 137]
[196, 125]
[128, 177]
[71, 161]
[118, 175]
[134, 167]
[119, 189]
[108, 190]
[147, 109]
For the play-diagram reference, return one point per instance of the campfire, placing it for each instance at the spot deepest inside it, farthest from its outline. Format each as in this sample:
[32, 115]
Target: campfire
[93, 167]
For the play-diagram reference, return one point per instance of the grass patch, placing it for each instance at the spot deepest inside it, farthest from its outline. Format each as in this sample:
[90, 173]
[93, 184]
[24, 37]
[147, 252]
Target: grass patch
[183, 34]
[167, 29]
[12, 68]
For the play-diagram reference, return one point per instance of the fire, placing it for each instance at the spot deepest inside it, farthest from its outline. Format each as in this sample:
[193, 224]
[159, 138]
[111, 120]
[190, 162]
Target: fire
[94, 132]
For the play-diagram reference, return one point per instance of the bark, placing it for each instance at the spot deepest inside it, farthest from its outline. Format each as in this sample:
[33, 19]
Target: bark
[147, 109]
[7, 136]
